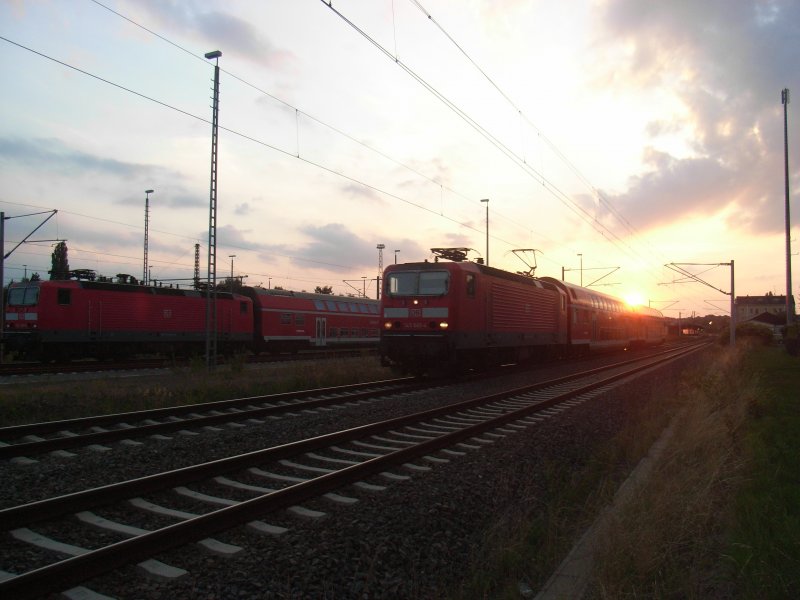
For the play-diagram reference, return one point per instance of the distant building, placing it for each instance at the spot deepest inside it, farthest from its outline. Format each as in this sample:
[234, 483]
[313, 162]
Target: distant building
[774, 322]
[750, 307]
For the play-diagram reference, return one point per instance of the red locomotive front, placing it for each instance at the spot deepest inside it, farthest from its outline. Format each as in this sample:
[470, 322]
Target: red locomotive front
[421, 312]
[460, 315]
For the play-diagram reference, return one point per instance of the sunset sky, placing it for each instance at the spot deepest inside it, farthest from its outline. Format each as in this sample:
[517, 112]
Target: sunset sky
[607, 133]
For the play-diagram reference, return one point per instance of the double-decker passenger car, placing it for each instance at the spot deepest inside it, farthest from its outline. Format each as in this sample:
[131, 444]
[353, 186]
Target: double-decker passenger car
[286, 321]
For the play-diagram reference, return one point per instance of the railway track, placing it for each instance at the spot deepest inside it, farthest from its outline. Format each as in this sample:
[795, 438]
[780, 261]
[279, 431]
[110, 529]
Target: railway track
[23, 441]
[91, 366]
[285, 477]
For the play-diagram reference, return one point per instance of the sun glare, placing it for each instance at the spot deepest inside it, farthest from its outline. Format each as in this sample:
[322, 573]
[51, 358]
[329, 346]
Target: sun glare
[634, 298]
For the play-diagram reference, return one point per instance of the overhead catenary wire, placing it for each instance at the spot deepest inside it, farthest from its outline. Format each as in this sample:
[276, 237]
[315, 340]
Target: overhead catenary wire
[298, 112]
[549, 186]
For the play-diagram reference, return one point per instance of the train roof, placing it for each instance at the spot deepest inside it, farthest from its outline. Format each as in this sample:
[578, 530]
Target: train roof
[109, 286]
[577, 293]
[306, 295]
[586, 295]
[468, 266]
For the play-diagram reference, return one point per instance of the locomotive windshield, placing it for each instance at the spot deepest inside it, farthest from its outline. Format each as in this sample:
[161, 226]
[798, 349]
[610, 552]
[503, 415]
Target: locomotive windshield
[417, 283]
[23, 296]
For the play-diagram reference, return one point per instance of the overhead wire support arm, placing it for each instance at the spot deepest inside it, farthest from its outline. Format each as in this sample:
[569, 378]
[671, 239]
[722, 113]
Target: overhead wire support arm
[25, 239]
[692, 277]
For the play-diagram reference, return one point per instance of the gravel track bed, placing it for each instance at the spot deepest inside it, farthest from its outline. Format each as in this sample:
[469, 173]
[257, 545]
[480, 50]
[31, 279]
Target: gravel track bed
[416, 539]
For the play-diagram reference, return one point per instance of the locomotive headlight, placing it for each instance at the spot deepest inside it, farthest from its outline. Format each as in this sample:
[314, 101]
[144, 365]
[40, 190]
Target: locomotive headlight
[387, 325]
[443, 325]
[415, 302]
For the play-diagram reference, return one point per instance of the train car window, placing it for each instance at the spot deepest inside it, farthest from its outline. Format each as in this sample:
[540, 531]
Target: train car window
[343, 307]
[373, 309]
[363, 308]
[331, 305]
[353, 307]
[64, 296]
[299, 319]
[470, 285]
[286, 318]
[319, 305]
[243, 308]
[23, 296]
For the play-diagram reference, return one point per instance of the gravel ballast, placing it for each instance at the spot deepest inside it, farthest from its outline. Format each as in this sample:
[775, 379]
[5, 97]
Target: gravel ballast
[416, 539]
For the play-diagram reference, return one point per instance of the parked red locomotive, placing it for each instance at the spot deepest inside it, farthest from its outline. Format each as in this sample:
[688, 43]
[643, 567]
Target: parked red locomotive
[60, 320]
[460, 314]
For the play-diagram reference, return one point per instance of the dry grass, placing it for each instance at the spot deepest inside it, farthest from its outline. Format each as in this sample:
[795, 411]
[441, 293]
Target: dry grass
[47, 399]
[669, 541]
[525, 544]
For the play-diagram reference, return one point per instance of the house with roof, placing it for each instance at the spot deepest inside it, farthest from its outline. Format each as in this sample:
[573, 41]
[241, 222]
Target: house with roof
[768, 311]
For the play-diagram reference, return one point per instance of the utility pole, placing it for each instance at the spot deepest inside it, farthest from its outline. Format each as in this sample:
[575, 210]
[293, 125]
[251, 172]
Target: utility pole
[211, 291]
[789, 310]
[197, 266]
[380, 270]
[145, 274]
[486, 200]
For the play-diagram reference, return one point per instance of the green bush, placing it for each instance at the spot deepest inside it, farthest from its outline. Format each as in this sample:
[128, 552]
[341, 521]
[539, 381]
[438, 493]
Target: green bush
[750, 331]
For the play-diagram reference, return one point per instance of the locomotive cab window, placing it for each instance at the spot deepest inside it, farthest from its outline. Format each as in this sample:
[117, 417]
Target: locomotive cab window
[23, 296]
[416, 283]
[64, 296]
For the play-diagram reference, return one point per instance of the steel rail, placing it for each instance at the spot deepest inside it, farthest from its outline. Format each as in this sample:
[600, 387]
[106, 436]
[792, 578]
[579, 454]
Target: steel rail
[72, 571]
[18, 431]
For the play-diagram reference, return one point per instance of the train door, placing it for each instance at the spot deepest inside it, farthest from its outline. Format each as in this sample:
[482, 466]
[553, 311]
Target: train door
[321, 331]
[94, 320]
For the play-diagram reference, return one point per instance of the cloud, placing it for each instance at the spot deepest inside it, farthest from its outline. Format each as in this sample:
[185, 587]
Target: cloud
[362, 192]
[53, 155]
[726, 62]
[334, 246]
[219, 29]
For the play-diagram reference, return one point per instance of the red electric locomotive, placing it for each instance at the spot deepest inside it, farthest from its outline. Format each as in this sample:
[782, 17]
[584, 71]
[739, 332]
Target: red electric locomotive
[287, 321]
[460, 314]
[71, 319]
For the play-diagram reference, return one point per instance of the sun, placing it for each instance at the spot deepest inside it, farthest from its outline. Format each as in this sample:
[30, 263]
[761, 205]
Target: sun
[634, 298]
